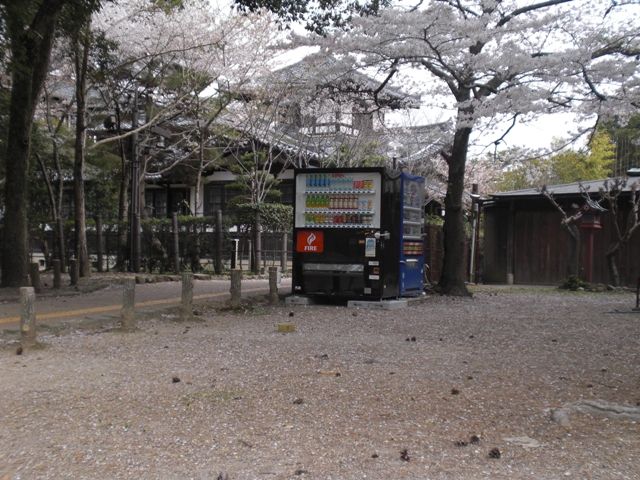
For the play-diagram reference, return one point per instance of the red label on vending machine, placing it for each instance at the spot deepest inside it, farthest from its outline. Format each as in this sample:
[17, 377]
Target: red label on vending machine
[310, 241]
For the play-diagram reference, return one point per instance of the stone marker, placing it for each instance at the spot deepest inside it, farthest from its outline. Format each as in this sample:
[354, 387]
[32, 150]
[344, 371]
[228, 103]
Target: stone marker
[128, 314]
[27, 317]
[273, 285]
[236, 286]
[186, 307]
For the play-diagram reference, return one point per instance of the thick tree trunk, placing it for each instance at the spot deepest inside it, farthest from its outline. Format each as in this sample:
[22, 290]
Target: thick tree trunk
[30, 51]
[82, 254]
[452, 278]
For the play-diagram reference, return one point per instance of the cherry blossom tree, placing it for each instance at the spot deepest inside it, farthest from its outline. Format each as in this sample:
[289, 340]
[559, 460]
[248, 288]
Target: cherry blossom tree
[175, 62]
[490, 60]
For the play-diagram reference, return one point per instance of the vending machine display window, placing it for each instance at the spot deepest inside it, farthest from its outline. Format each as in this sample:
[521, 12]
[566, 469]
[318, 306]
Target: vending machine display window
[338, 200]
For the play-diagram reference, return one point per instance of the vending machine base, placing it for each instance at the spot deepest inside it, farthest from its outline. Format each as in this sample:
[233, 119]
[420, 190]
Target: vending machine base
[381, 305]
[387, 304]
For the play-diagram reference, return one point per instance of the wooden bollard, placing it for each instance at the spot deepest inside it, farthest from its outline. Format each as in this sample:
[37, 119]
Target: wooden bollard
[34, 273]
[57, 277]
[73, 271]
[186, 305]
[27, 317]
[273, 285]
[128, 313]
[236, 286]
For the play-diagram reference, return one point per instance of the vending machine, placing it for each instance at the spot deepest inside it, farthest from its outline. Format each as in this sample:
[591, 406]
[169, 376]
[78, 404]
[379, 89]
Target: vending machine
[357, 233]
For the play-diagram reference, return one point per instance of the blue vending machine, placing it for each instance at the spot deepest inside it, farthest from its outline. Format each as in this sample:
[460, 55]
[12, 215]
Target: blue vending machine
[411, 244]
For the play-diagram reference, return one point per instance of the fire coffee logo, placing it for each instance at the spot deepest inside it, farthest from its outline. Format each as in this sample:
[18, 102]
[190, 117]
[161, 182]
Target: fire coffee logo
[310, 242]
[310, 239]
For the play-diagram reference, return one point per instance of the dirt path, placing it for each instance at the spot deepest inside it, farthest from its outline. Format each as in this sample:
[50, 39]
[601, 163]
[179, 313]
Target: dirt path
[446, 389]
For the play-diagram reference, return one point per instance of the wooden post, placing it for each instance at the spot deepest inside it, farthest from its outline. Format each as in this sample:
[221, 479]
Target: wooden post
[128, 314]
[137, 244]
[34, 272]
[589, 255]
[218, 262]
[57, 280]
[283, 253]
[236, 286]
[99, 251]
[27, 317]
[186, 307]
[73, 271]
[176, 243]
[273, 285]
[511, 227]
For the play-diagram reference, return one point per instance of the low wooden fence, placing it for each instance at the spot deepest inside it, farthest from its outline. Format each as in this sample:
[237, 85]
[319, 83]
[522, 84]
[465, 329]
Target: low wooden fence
[198, 249]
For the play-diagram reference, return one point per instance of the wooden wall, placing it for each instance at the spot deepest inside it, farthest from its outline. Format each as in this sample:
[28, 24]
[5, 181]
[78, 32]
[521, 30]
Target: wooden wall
[541, 247]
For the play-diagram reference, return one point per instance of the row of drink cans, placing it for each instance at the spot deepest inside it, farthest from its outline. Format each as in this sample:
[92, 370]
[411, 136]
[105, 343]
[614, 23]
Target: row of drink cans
[317, 219]
[337, 202]
[337, 182]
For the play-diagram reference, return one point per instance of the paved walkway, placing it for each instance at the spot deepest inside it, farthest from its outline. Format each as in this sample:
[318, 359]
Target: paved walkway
[108, 301]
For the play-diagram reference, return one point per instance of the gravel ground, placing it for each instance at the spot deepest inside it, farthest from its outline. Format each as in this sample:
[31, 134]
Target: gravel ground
[431, 391]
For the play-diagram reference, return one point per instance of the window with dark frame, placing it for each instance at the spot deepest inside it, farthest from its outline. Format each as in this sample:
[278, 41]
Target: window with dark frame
[156, 203]
[217, 197]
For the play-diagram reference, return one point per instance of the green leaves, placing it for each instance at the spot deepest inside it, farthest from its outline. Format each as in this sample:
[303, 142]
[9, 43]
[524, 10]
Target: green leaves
[568, 166]
[274, 217]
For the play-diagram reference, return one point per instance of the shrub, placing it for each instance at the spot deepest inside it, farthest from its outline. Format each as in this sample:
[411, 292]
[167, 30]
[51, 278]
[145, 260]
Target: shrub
[572, 282]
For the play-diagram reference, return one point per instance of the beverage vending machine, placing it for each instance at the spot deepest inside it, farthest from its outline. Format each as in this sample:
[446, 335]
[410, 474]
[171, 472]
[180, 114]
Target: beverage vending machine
[357, 233]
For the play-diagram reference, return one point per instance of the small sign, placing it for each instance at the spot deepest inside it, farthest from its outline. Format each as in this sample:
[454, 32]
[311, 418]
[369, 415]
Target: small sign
[310, 241]
[370, 247]
[374, 262]
[374, 277]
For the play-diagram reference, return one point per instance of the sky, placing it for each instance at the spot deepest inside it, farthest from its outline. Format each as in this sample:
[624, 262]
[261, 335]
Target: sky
[536, 135]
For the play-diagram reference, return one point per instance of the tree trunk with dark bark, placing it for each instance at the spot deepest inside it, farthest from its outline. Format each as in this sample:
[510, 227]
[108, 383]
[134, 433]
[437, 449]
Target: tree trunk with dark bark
[257, 244]
[452, 278]
[82, 253]
[123, 204]
[31, 43]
